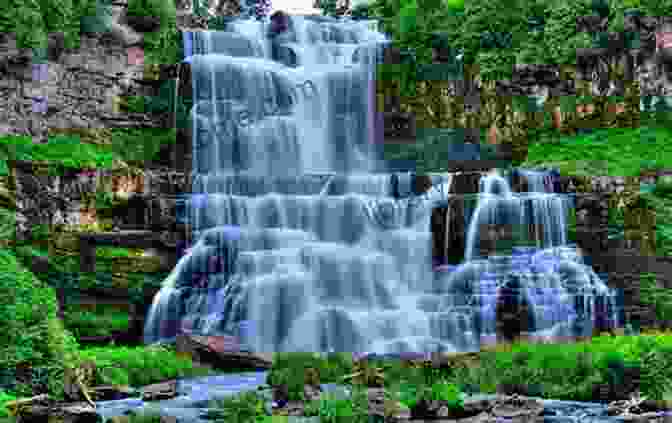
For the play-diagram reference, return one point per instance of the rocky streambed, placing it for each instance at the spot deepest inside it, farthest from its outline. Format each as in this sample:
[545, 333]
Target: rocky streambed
[192, 396]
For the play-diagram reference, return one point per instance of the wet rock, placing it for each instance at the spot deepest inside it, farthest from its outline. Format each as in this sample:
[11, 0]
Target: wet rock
[41, 409]
[221, 352]
[160, 391]
[279, 23]
[311, 393]
[143, 23]
[280, 395]
[111, 392]
[518, 409]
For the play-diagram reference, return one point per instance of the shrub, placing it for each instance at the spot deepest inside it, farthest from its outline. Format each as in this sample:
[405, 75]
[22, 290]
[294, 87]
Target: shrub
[289, 369]
[30, 332]
[664, 186]
[100, 323]
[659, 298]
[245, 407]
[139, 366]
[655, 373]
[4, 398]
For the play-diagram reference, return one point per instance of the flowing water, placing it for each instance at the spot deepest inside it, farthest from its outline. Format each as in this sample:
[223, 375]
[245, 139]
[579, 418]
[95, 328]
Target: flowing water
[300, 235]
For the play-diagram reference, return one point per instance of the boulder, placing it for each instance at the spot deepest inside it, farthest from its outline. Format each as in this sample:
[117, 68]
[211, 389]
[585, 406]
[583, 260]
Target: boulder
[518, 409]
[143, 24]
[220, 352]
[312, 393]
[41, 409]
[111, 392]
[160, 391]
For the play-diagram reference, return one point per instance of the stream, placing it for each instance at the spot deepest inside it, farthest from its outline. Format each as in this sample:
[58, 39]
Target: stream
[194, 394]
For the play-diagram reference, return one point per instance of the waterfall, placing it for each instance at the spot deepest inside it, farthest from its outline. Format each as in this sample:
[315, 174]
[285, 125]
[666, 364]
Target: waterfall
[300, 241]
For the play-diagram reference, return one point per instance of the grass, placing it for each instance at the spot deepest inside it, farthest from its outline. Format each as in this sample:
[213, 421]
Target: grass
[552, 366]
[140, 366]
[132, 145]
[103, 321]
[609, 152]
[615, 152]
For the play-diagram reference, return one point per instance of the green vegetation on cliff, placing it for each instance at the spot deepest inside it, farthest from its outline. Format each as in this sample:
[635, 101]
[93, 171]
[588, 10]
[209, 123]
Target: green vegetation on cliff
[31, 21]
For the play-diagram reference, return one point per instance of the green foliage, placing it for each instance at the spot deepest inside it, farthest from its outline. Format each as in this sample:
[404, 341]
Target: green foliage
[332, 409]
[99, 323]
[660, 298]
[664, 186]
[328, 7]
[366, 374]
[23, 322]
[145, 417]
[290, 368]
[4, 398]
[24, 18]
[448, 393]
[624, 150]
[654, 7]
[140, 144]
[408, 17]
[360, 11]
[655, 374]
[139, 366]
[63, 151]
[33, 20]
[246, 407]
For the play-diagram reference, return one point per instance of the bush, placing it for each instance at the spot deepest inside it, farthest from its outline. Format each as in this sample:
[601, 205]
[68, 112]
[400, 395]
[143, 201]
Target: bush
[4, 398]
[139, 366]
[664, 186]
[240, 408]
[290, 369]
[30, 332]
[100, 323]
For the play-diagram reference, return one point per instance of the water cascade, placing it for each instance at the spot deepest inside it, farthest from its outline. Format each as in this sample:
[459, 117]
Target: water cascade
[301, 236]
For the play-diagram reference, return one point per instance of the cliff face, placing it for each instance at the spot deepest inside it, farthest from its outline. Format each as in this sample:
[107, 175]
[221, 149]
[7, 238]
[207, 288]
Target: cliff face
[79, 89]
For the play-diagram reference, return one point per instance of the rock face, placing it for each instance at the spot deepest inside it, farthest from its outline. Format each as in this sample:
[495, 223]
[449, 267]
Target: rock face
[76, 91]
[512, 310]
[220, 352]
[448, 229]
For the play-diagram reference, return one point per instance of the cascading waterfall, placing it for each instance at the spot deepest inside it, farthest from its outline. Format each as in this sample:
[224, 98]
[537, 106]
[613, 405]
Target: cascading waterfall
[296, 234]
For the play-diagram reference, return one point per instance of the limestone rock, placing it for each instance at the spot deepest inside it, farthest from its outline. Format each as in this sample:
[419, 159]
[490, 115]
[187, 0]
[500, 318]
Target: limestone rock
[220, 352]
[160, 391]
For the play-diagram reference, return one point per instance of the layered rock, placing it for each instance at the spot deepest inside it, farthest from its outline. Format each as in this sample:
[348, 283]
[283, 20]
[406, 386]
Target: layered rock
[220, 352]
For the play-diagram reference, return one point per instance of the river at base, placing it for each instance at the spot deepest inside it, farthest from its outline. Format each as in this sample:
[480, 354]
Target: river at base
[195, 393]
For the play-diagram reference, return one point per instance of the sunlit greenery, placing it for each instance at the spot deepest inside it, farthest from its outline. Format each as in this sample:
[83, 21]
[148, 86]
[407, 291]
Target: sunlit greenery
[99, 322]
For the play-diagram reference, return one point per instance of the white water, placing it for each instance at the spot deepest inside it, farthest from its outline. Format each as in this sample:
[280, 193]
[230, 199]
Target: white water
[297, 235]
